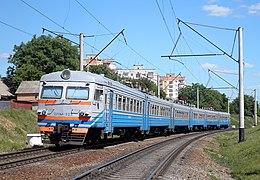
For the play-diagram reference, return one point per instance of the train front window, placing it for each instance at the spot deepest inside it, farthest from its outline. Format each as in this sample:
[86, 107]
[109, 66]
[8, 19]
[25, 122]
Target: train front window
[77, 93]
[51, 92]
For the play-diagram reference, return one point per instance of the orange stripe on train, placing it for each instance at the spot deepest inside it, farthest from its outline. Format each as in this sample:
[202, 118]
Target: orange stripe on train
[79, 130]
[63, 118]
[46, 129]
[44, 101]
[80, 102]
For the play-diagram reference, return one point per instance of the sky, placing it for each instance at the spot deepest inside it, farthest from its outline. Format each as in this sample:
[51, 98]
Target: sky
[151, 30]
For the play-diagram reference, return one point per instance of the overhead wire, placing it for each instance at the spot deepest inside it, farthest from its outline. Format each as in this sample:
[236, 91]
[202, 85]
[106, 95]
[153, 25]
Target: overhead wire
[67, 15]
[164, 21]
[208, 26]
[234, 41]
[59, 25]
[213, 44]
[131, 48]
[180, 34]
[18, 29]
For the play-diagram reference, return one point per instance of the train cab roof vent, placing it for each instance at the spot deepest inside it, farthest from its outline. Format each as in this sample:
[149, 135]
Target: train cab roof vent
[65, 74]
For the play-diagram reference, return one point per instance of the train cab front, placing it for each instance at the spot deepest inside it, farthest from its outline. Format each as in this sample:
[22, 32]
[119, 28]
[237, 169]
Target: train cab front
[64, 109]
[63, 134]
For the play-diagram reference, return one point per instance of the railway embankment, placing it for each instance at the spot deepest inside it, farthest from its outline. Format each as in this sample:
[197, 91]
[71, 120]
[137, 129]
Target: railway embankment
[220, 156]
[241, 158]
[14, 126]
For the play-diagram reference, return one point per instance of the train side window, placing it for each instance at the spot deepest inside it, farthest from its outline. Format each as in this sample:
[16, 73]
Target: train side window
[131, 105]
[119, 102]
[115, 106]
[98, 94]
[124, 103]
[168, 112]
[134, 105]
[137, 106]
[141, 107]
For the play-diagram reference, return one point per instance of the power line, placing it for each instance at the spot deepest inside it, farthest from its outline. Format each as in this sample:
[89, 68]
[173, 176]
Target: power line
[44, 15]
[223, 79]
[16, 28]
[224, 52]
[208, 26]
[132, 49]
[175, 44]
[58, 24]
[164, 21]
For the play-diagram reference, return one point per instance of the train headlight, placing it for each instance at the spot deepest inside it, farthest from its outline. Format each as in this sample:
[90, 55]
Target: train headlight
[81, 113]
[65, 74]
[43, 112]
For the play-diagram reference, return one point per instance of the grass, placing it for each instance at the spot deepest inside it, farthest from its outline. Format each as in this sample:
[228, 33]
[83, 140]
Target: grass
[234, 120]
[14, 126]
[243, 159]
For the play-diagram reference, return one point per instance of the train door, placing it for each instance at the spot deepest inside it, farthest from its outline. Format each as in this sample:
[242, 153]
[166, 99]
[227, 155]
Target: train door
[172, 118]
[109, 96]
[147, 110]
[98, 103]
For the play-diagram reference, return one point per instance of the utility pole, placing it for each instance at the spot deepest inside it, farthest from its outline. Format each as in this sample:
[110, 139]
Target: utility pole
[81, 36]
[228, 109]
[198, 97]
[255, 109]
[158, 86]
[241, 86]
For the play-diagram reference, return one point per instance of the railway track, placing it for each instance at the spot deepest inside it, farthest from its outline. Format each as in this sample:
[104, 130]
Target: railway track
[20, 158]
[146, 163]
[32, 155]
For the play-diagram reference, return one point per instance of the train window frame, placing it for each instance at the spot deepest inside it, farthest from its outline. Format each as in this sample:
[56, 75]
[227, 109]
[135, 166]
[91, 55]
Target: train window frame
[127, 104]
[119, 100]
[60, 95]
[141, 107]
[131, 105]
[97, 96]
[137, 106]
[124, 101]
[77, 87]
[134, 105]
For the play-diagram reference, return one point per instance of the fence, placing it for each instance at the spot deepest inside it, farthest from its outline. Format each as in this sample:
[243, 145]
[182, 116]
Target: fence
[5, 105]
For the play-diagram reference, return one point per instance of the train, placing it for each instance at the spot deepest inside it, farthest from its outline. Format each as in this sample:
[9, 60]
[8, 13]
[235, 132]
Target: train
[78, 107]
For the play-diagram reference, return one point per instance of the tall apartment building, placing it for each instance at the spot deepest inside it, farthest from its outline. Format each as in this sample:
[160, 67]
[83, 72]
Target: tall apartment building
[138, 72]
[171, 84]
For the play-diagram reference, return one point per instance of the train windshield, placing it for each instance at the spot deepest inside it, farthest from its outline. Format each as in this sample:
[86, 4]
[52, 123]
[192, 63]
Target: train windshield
[77, 93]
[51, 92]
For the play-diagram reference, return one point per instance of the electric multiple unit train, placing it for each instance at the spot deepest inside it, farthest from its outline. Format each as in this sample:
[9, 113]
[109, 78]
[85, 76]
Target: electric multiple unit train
[77, 107]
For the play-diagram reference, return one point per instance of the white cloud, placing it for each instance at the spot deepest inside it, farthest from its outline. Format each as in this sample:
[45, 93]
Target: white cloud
[215, 10]
[247, 65]
[4, 55]
[257, 74]
[209, 66]
[254, 9]
[227, 71]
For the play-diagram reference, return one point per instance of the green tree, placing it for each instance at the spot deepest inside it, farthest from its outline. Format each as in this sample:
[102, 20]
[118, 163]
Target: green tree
[40, 56]
[104, 69]
[248, 106]
[208, 98]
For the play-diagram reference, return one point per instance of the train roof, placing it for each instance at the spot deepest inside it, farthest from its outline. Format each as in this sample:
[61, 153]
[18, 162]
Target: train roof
[87, 77]
[75, 76]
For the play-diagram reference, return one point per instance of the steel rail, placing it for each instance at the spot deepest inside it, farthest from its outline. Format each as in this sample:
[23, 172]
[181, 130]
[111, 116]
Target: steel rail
[164, 164]
[98, 170]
